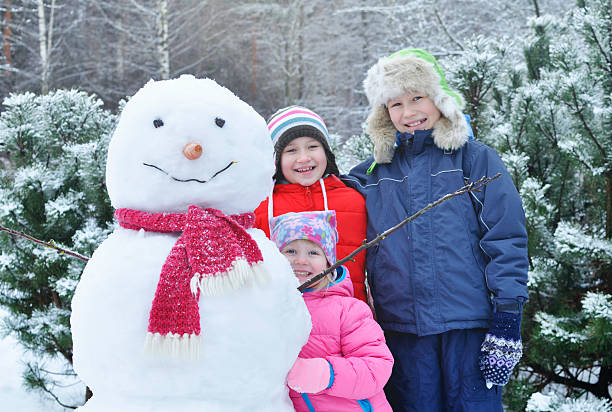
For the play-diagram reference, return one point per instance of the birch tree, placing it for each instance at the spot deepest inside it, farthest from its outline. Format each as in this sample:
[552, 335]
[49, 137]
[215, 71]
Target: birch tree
[163, 52]
[45, 41]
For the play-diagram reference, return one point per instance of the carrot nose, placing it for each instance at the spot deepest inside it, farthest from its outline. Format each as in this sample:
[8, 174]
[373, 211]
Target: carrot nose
[192, 151]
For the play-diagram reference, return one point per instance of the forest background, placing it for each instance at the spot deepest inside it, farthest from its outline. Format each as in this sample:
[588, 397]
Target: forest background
[536, 75]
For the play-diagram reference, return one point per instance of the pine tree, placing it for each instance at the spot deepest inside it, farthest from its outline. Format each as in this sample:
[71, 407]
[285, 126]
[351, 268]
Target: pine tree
[572, 344]
[545, 105]
[52, 189]
[549, 116]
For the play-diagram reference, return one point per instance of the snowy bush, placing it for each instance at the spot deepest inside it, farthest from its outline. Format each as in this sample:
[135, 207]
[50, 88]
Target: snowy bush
[52, 189]
[354, 150]
[546, 107]
[552, 403]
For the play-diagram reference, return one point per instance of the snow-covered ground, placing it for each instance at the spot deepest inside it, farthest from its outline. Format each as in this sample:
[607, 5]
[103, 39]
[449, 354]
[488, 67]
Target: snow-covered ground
[13, 396]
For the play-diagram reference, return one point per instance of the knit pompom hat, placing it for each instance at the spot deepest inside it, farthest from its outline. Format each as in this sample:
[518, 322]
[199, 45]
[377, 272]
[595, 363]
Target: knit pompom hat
[296, 121]
[318, 227]
[414, 71]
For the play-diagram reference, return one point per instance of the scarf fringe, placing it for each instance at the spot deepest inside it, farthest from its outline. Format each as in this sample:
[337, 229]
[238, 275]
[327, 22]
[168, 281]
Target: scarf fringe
[240, 274]
[173, 345]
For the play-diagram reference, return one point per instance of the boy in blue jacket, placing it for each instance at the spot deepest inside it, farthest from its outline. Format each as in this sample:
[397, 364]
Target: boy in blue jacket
[448, 287]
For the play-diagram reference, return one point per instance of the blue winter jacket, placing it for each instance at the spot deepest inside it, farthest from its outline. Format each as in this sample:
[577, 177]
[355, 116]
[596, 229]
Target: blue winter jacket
[453, 266]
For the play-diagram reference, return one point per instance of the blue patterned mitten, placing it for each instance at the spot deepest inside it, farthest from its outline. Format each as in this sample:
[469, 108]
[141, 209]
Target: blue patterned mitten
[502, 348]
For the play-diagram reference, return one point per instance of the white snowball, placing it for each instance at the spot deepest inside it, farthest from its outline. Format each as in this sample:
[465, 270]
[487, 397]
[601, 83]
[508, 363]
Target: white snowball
[189, 109]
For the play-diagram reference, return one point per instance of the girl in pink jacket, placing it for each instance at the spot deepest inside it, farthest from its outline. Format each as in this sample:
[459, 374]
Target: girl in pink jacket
[345, 363]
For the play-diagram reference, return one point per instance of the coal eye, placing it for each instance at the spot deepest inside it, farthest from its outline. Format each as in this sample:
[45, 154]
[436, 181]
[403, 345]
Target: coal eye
[158, 123]
[219, 122]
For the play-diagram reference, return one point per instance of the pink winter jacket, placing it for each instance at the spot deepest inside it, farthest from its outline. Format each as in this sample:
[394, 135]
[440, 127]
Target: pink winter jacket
[347, 336]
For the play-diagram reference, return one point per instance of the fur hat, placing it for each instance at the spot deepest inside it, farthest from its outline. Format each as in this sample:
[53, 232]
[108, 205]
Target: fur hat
[411, 70]
[296, 121]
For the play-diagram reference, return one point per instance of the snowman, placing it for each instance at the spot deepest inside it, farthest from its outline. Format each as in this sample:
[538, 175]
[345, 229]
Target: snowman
[186, 307]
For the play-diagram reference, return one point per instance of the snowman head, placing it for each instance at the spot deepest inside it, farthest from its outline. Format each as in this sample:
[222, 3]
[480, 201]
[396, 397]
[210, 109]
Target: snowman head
[187, 142]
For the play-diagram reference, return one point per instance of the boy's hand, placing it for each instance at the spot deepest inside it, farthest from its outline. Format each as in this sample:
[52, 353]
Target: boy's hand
[502, 348]
[309, 375]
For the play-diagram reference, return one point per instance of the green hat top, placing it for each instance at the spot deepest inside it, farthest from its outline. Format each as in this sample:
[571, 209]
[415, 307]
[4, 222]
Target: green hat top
[422, 54]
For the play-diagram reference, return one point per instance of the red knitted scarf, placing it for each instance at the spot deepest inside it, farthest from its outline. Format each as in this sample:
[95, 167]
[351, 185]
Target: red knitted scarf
[213, 253]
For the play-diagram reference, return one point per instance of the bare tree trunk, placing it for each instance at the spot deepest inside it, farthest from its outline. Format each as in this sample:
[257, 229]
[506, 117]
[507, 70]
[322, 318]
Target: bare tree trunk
[45, 41]
[8, 58]
[536, 8]
[42, 41]
[300, 53]
[254, 65]
[288, 68]
[163, 52]
[608, 205]
[364, 23]
[121, 49]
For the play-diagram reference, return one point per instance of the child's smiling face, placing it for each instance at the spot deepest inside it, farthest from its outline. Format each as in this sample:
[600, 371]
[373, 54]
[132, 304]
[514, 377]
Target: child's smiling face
[303, 161]
[306, 258]
[413, 111]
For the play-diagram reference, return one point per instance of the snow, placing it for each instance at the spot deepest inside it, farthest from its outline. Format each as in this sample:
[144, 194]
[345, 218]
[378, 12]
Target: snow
[539, 402]
[6, 205]
[63, 204]
[251, 334]
[19, 99]
[13, 395]
[571, 239]
[540, 271]
[89, 234]
[552, 328]
[597, 305]
[35, 175]
[6, 259]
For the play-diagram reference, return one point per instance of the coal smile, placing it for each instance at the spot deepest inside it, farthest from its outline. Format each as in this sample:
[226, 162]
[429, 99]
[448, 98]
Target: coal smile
[189, 180]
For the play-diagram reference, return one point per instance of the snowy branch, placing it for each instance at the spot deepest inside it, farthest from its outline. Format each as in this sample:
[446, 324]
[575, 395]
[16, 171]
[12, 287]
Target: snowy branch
[46, 244]
[599, 389]
[579, 112]
[471, 187]
[446, 31]
[44, 387]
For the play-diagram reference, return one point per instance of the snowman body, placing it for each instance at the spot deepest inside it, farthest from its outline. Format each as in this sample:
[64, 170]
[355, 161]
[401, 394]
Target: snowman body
[250, 335]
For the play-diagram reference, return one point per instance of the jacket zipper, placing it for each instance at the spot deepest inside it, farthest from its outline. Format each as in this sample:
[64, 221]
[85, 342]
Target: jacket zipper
[308, 196]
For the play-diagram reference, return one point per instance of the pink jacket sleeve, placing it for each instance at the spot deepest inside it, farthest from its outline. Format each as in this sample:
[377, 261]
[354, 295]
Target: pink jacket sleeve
[367, 362]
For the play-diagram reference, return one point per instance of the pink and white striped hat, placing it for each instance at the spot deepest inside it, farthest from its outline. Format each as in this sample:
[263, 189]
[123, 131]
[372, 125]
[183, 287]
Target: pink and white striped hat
[297, 121]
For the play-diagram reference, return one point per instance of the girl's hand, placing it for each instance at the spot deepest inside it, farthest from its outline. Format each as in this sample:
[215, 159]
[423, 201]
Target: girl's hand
[310, 375]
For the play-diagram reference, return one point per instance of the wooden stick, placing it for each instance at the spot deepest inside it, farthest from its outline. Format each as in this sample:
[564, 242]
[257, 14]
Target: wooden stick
[470, 187]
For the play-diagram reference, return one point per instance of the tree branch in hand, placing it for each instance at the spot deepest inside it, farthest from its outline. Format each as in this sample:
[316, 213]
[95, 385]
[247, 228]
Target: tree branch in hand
[470, 187]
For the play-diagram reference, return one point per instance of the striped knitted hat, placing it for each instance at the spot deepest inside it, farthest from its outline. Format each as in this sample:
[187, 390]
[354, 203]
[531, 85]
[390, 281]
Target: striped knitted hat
[296, 121]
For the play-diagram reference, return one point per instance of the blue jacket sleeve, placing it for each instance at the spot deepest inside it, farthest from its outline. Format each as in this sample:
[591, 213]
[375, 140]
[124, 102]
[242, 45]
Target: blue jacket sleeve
[504, 236]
